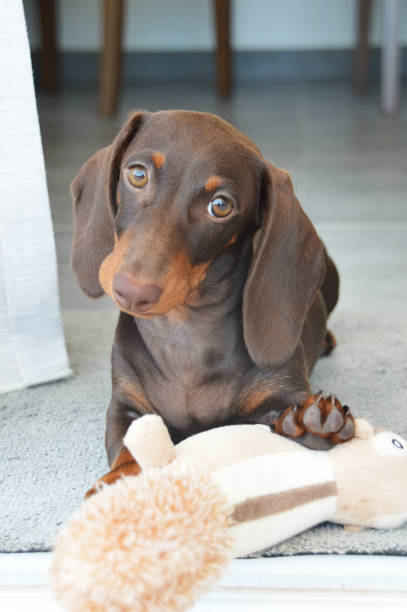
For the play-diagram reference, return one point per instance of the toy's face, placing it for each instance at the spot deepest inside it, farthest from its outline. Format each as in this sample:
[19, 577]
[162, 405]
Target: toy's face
[392, 448]
[388, 444]
[373, 483]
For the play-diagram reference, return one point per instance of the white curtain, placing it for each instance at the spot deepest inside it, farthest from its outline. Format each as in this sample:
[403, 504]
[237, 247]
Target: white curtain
[32, 347]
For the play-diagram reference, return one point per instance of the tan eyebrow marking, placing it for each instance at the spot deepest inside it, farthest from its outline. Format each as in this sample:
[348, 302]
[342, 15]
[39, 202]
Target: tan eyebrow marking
[213, 182]
[158, 160]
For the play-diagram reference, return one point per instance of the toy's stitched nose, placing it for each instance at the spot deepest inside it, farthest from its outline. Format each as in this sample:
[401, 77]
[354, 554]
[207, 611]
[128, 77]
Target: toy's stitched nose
[134, 297]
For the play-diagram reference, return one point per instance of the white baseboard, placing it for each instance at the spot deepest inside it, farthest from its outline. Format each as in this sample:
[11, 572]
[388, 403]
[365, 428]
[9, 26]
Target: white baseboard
[353, 583]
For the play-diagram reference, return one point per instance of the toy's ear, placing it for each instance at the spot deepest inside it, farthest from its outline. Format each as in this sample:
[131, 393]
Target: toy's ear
[149, 442]
[363, 429]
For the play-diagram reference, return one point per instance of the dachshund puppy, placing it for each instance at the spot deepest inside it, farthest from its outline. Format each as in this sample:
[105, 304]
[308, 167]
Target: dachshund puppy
[223, 284]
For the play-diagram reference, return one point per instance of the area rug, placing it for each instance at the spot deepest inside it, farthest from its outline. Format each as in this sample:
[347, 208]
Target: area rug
[52, 436]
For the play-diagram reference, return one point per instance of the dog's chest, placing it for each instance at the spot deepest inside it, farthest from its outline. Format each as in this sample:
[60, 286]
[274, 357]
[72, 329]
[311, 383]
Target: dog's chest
[201, 366]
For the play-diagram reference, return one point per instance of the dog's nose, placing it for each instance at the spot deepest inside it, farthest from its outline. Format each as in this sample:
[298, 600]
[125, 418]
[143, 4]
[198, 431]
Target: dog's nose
[134, 297]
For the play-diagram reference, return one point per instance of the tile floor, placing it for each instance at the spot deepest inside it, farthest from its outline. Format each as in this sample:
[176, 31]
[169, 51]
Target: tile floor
[348, 164]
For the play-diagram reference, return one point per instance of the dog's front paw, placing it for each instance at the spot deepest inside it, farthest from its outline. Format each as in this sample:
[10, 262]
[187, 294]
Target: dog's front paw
[321, 416]
[329, 344]
[128, 469]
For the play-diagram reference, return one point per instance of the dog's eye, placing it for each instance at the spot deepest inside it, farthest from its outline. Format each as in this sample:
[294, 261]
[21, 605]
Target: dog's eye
[138, 176]
[220, 207]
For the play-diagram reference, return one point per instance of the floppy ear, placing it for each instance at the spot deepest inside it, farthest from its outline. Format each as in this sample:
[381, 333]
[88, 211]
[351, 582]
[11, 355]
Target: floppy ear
[94, 200]
[287, 269]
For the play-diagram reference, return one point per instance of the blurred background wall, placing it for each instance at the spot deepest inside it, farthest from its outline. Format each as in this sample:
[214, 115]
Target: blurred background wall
[272, 38]
[175, 25]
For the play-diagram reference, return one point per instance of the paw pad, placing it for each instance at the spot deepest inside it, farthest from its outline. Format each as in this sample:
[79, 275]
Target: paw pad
[321, 416]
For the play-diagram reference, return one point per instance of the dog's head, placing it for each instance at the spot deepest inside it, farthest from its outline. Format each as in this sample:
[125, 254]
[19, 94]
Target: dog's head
[155, 208]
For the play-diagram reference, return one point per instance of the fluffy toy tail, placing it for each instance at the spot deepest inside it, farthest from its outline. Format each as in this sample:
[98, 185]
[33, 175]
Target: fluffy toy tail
[150, 543]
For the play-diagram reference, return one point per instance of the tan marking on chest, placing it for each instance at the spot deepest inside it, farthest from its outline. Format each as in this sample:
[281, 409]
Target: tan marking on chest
[258, 391]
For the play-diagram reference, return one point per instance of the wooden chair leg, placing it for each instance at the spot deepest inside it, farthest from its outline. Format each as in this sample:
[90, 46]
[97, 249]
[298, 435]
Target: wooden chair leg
[111, 56]
[362, 47]
[49, 60]
[223, 52]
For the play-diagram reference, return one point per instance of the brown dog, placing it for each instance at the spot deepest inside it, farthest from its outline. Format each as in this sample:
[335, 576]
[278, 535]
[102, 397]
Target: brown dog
[223, 284]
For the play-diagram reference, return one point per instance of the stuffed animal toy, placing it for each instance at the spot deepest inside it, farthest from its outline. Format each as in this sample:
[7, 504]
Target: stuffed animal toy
[157, 541]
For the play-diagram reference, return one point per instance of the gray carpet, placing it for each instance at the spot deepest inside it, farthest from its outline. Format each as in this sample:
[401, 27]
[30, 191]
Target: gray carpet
[52, 446]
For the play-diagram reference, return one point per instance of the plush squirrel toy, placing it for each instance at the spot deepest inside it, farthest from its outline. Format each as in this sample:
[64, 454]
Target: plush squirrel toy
[157, 541]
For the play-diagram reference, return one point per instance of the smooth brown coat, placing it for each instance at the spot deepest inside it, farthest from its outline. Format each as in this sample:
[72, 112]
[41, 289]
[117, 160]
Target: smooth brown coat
[240, 303]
